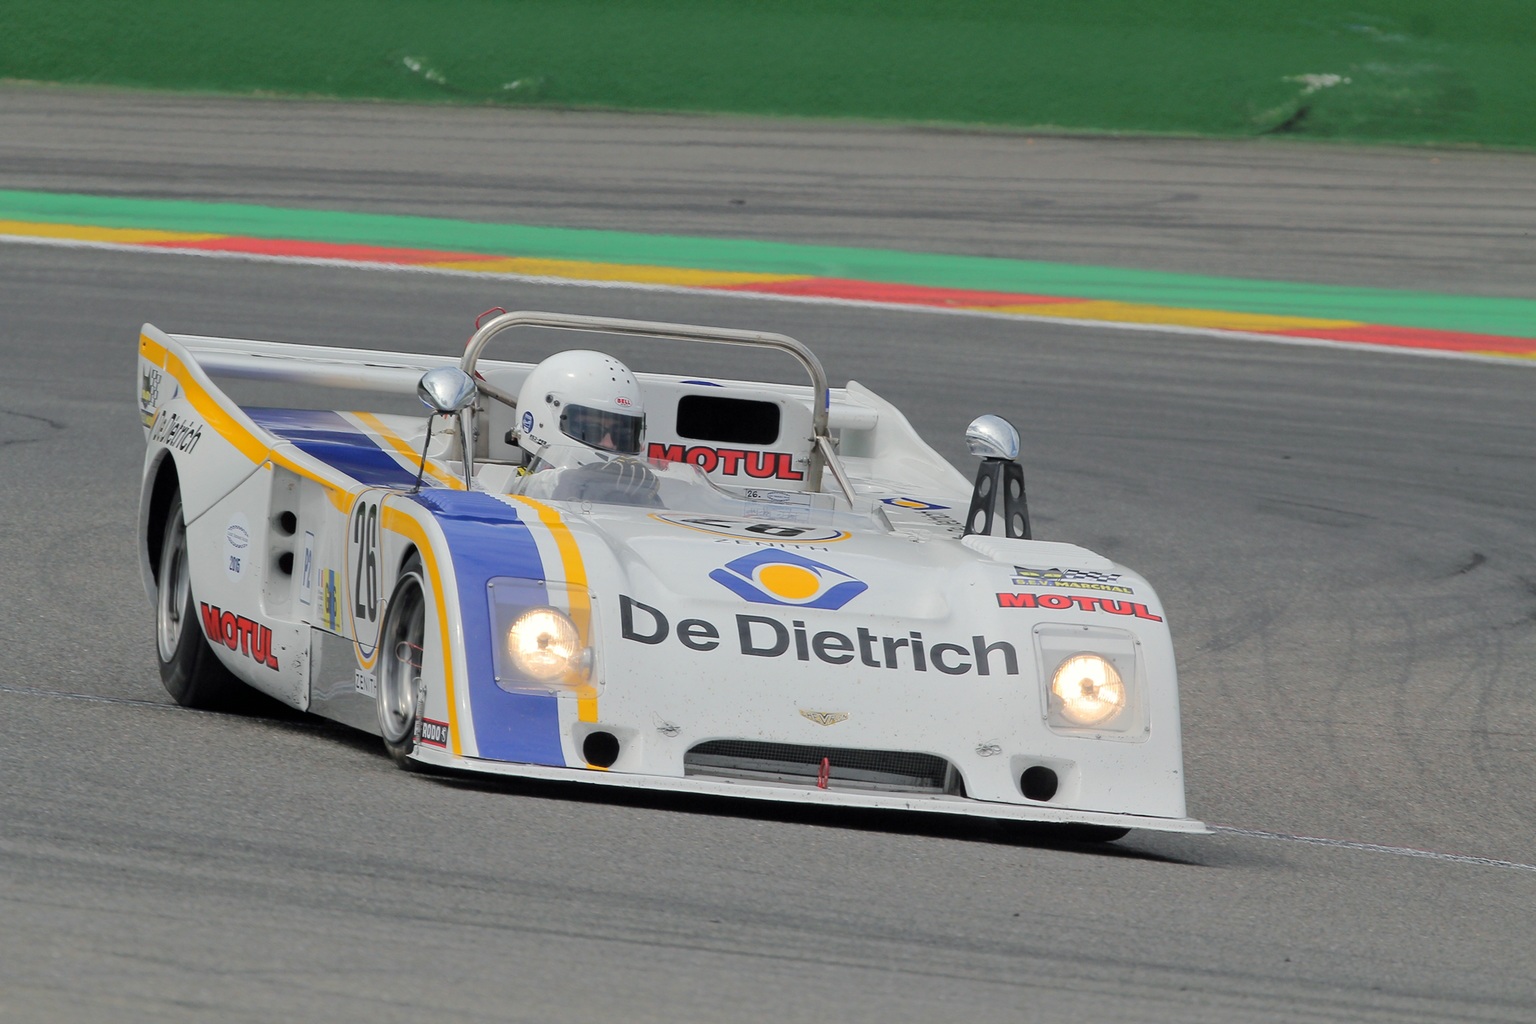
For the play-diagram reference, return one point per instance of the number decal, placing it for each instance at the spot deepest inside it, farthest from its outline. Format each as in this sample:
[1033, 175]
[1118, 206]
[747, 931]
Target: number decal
[365, 555]
[777, 532]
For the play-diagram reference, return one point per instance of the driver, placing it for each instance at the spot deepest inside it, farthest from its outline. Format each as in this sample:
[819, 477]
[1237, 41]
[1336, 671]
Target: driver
[591, 399]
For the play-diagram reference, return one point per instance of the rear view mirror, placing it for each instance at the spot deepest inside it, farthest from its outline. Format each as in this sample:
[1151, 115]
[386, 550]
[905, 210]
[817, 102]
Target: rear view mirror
[446, 390]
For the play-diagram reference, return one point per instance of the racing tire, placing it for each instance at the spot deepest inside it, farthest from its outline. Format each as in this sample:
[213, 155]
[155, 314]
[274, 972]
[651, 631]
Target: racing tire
[402, 640]
[191, 672]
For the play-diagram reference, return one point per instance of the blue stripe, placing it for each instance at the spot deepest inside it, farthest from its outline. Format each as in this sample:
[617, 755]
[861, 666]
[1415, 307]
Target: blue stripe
[335, 442]
[486, 539]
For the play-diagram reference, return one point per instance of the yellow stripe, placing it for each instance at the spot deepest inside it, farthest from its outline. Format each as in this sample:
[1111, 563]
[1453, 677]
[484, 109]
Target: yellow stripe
[397, 521]
[637, 273]
[88, 233]
[227, 427]
[1127, 312]
[575, 572]
[412, 456]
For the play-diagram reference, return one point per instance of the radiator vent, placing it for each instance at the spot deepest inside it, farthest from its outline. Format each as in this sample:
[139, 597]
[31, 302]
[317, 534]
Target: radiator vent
[796, 765]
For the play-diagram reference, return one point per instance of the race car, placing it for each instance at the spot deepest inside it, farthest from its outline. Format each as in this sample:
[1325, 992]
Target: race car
[568, 570]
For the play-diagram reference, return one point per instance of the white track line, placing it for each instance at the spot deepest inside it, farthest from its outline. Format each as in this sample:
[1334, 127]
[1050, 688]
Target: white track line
[1346, 844]
[1114, 325]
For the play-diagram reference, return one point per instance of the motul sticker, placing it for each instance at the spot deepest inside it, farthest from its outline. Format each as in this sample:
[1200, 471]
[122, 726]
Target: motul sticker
[1078, 602]
[730, 461]
[239, 633]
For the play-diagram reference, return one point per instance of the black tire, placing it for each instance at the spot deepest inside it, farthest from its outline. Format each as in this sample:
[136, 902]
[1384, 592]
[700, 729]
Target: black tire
[1093, 833]
[402, 638]
[191, 672]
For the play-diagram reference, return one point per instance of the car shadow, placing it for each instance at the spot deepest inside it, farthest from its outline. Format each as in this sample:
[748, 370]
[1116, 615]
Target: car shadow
[990, 831]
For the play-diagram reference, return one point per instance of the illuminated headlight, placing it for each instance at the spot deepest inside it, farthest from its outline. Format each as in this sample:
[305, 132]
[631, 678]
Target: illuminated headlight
[1087, 690]
[543, 644]
[1092, 682]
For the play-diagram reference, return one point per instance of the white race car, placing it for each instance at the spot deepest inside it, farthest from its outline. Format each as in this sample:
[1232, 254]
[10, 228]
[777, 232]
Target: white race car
[572, 572]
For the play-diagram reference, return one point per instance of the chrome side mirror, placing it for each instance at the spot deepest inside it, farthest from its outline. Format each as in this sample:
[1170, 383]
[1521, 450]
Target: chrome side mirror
[996, 442]
[446, 390]
[449, 391]
[992, 437]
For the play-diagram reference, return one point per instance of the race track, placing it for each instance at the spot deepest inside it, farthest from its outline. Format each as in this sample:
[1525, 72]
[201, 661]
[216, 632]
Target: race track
[1343, 542]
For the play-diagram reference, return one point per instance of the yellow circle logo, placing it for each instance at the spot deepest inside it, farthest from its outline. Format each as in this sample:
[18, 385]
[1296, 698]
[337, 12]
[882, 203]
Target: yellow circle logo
[788, 582]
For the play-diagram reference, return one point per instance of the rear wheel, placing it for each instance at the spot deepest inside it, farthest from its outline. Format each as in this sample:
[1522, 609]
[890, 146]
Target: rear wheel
[191, 672]
[402, 640]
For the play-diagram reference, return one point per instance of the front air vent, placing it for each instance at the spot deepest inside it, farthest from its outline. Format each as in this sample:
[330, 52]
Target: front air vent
[797, 765]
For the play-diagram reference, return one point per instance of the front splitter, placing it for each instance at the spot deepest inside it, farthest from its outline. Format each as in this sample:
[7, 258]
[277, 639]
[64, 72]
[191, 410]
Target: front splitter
[742, 789]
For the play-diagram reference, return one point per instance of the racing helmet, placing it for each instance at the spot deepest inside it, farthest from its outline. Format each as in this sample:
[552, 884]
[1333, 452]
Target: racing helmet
[587, 397]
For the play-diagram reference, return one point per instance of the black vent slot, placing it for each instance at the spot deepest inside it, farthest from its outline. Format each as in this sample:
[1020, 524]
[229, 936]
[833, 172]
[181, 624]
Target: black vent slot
[732, 420]
[791, 763]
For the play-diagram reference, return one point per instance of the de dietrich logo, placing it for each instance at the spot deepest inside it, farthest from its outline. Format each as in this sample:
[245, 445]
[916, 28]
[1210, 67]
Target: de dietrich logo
[761, 636]
[781, 577]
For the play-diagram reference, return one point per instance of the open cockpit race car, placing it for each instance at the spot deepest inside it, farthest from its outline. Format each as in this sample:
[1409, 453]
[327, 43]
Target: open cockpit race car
[570, 571]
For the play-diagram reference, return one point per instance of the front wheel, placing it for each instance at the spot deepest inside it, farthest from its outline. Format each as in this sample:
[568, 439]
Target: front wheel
[402, 641]
[191, 672]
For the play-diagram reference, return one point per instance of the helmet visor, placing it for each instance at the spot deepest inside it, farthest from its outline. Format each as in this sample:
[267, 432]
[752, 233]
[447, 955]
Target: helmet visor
[599, 428]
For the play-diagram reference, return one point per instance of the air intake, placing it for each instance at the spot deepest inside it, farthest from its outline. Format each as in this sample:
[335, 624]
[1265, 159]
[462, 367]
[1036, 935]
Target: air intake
[795, 765]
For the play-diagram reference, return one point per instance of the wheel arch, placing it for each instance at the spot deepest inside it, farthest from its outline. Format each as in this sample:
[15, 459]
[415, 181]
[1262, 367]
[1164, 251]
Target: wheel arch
[161, 484]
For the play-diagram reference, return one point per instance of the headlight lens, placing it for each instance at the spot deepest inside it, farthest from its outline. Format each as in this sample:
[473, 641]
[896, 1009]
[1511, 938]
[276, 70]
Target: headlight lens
[543, 644]
[1087, 690]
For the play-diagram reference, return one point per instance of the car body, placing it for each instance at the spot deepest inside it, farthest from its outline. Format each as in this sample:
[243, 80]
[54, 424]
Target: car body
[807, 605]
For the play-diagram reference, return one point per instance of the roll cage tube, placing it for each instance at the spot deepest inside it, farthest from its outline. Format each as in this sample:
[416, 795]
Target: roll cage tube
[822, 453]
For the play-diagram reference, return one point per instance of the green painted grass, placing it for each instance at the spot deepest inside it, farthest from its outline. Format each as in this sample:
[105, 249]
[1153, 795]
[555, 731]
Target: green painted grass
[1399, 70]
[1501, 316]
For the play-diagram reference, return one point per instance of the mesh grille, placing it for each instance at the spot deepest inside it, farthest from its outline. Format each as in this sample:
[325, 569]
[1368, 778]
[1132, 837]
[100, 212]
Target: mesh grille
[848, 769]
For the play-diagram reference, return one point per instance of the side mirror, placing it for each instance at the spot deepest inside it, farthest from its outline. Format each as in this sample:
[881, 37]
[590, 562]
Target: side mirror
[449, 391]
[996, 442]
[992, 437]
[446, 390]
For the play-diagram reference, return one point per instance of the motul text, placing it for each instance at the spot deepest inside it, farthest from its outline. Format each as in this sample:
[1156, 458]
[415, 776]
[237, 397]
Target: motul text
[730, 461]
[1065, 602]
[239, 633]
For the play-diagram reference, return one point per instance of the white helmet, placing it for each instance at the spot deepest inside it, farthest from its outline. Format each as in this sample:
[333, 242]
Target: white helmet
[582, 396]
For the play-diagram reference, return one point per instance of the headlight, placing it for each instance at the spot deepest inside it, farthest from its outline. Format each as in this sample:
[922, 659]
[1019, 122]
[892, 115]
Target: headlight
[1087, 690]
[543, 644]
[1092, 682]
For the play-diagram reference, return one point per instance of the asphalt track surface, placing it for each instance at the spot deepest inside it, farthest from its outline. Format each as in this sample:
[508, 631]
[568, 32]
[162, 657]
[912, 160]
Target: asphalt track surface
[1343, 542]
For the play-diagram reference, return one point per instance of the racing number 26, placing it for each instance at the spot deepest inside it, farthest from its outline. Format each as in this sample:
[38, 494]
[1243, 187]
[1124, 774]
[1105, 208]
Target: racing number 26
[365, 555]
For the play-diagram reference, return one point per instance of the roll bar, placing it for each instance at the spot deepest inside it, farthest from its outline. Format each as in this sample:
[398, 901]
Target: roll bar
[822, 454]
